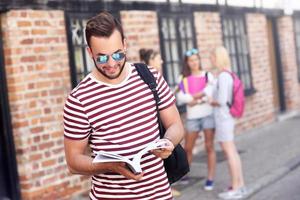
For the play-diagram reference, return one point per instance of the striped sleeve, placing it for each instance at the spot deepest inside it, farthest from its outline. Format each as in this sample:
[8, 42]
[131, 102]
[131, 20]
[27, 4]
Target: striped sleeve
[76, 123]
[164, 92]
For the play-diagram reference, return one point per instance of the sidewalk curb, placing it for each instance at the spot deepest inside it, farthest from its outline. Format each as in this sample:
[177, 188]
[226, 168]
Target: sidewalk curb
[272, 177]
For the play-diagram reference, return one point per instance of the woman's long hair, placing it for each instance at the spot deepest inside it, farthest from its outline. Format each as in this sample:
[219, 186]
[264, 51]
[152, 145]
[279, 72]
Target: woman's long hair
[222, 57]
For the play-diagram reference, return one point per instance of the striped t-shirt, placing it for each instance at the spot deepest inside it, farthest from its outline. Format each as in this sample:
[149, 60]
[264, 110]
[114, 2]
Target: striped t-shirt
[122, 119]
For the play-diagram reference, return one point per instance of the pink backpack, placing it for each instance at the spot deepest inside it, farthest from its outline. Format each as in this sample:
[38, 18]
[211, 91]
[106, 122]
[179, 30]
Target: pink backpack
[237, 105]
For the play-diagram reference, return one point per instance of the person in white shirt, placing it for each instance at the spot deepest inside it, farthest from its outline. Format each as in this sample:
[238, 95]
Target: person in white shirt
[194, 88]
[225, 123]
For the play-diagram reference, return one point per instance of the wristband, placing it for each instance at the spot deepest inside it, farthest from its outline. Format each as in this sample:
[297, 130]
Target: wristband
[169, 140]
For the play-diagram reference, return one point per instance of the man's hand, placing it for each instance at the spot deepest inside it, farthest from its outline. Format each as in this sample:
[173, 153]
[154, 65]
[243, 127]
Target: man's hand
[121, 168]
[166, 150]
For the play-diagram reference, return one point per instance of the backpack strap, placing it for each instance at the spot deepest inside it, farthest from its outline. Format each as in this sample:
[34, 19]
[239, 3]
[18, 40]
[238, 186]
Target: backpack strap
[185, 85]
[232, 98]
[150, 80]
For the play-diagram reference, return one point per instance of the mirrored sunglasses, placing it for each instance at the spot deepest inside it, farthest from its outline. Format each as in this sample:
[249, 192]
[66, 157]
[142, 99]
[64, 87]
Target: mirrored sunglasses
[191, 52]
[102, 59]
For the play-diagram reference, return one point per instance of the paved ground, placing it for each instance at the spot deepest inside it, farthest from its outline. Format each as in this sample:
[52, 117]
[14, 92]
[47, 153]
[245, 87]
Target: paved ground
[285, 188]
[268, 153]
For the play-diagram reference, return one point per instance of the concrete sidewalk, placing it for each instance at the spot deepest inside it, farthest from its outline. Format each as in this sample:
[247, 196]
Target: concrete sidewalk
[267, 154]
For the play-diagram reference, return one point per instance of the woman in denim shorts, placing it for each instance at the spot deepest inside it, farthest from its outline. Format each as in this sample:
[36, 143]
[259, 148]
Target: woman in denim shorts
[194, 88]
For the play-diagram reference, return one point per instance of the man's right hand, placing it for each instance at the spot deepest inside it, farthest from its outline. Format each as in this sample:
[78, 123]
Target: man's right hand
[121, 168]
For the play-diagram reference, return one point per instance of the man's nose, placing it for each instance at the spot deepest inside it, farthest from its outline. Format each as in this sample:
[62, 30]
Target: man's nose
[111, 61]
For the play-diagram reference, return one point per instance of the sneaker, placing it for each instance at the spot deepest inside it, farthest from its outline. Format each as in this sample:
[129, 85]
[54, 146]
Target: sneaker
[244, 191]
[209, 185]
[231, 194]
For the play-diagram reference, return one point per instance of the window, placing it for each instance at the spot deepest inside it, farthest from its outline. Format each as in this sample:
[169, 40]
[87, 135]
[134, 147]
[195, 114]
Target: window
[297, 36]
[235, 40]
[176, 36]
[80, 60]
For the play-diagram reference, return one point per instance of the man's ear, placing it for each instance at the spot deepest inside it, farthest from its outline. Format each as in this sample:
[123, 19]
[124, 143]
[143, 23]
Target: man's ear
[90, 51]
[125, 44]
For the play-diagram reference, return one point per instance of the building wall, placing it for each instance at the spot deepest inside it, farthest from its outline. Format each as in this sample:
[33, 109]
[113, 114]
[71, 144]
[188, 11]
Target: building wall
[38, 79]
[289, 62]
[208, 35]
[260, 105]
[141, 31]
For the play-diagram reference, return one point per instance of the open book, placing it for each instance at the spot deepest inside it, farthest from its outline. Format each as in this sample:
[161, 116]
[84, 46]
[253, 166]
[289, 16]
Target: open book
[135, 163]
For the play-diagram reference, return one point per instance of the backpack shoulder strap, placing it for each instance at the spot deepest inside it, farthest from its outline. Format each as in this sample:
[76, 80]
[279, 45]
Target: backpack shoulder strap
[233, 78]
[206, 77]
[148, 78]
[185, 85]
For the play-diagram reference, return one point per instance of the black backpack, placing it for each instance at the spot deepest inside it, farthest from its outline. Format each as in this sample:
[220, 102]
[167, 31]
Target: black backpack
[176, 165]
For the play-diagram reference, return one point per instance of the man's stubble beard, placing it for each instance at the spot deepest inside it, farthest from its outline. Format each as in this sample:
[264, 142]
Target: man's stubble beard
[107, 76]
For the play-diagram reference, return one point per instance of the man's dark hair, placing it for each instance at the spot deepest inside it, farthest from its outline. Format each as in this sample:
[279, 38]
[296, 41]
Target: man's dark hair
[102, 25]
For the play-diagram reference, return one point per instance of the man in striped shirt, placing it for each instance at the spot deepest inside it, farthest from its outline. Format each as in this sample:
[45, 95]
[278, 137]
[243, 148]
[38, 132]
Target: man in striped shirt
[112, 109]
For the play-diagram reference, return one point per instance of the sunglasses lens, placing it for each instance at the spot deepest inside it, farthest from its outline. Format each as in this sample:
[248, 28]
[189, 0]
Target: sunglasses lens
[191, 52]
[102, 59]
[118, 56]
[194, 51]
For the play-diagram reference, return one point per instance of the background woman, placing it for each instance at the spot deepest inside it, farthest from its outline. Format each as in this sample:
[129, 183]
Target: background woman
[225, 123]
[151, 58]
[195, 84]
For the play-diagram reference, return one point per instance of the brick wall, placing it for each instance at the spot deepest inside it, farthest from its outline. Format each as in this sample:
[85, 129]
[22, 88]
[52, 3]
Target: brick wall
[208, 34]
[289, 62]
[260, 105]
[38, 78]
[141, 31]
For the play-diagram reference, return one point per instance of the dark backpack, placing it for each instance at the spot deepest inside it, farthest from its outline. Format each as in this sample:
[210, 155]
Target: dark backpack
[176, 165]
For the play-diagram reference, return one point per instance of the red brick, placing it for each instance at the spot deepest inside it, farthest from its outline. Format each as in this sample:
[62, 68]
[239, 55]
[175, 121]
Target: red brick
[23, 24]
[48, 163]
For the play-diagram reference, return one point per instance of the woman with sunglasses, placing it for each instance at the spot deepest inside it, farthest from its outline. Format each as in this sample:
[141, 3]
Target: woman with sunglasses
[196, 84]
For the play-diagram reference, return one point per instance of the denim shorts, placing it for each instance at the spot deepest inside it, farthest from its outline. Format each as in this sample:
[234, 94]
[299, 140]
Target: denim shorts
[200, 124]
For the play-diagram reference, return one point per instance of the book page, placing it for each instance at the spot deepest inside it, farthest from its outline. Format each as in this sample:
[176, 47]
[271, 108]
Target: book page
[135, 163]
